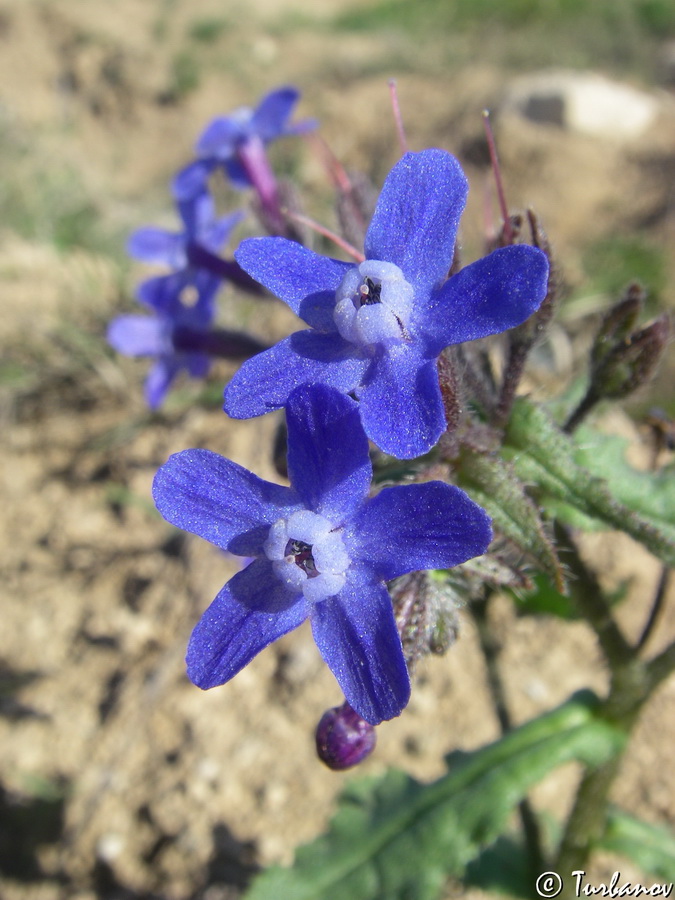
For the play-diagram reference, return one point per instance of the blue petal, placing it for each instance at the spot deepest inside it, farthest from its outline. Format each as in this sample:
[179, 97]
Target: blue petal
[251, 611]
[163, 292]
[220, 137]
[215, 235]
[328, 461]
[138, 336]
[166, 293]
[357, 636]
[207, 285]
[416, 218]
[197, 364]
[192, 179]
[201, 492]
[489, 296]
[237, 174]
[159, 380]
[273, 111]
[419, 526]
[197, 212]
[304, 280]
[401, 405]
[155, 245]
[265, 381]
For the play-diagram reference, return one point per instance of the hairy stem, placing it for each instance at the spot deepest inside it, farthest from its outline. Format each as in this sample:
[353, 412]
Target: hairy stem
[577, 416]
[591, 601]
[657, 606]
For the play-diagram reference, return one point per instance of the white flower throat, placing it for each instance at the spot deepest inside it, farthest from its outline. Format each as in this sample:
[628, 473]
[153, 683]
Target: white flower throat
[373, 304]
[308, 554]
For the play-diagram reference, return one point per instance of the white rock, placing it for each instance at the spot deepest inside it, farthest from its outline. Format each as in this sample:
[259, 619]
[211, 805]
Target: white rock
[584, 102]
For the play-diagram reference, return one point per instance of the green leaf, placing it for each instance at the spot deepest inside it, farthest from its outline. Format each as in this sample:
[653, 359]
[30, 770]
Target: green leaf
[396, 839]
[651, 847]
[543, 456]
[503, 867]
[494, 485]
[652, 494]
[546, 599]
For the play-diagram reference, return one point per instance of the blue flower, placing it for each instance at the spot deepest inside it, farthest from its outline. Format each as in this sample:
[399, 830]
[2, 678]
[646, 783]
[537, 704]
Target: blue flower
[179, 335]
[377, 329]
[176, 335]
[236, 142]
[196, 246]
[321, 550]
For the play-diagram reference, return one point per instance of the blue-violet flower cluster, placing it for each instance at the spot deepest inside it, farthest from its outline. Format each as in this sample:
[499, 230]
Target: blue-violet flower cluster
[321, 550]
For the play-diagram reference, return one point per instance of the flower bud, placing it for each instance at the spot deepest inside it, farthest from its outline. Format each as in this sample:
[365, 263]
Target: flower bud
[617, 324]
[622, 359]
[632, 362]
[343, 738]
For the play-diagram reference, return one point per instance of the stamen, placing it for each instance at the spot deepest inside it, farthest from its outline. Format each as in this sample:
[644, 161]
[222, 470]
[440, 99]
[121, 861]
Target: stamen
[370, 292]
[301, 554]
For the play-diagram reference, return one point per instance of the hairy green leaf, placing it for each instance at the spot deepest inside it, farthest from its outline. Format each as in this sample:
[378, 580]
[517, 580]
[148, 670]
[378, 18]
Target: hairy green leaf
[546, 458]
[651, 847]
[495, 486]
[396, 839]
[503, 867]
[652, 494]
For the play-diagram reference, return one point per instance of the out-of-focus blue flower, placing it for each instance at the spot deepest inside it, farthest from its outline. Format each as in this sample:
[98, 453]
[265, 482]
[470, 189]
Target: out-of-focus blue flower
[377, 329]
[196, 246]
[179, 335]
[237, 143]
[176, 336]
[321, 550]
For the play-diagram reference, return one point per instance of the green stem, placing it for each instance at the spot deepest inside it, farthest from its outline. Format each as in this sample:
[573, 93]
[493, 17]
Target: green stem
[659, 668]
[657, 607]
[490, 646]
[590, 599]
[576, 417]
[633, 682]
[630, 689]
[586, 822]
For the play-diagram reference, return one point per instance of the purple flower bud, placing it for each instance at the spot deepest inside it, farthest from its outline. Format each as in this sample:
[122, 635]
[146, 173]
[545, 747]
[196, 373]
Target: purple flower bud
[343, 738]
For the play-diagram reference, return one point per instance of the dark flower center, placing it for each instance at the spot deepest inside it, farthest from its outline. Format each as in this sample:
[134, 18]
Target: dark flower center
[369, 292]
[302, 556]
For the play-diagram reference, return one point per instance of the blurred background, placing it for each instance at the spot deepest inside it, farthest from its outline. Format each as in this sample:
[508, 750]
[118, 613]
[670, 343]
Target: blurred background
[119, 779]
